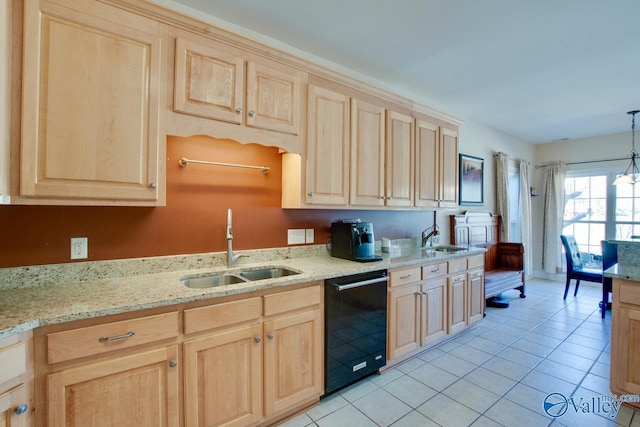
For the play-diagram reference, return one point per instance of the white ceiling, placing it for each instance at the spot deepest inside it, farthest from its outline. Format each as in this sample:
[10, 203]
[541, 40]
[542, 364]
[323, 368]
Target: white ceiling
[540, 70]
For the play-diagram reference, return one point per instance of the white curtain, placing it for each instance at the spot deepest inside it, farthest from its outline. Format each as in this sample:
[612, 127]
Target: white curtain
[525, 217]
[502, 194]
[552, 216]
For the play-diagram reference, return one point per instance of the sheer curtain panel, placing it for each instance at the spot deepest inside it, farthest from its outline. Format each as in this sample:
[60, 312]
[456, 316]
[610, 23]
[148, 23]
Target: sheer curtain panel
[552, 216]
[525, 217]
[502, 194]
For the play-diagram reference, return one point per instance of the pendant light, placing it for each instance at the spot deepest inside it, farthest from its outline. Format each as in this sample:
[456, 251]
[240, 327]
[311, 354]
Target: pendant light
[625, 178]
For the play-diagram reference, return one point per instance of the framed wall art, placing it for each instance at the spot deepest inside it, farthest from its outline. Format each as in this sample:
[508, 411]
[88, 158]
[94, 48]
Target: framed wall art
[471, 180]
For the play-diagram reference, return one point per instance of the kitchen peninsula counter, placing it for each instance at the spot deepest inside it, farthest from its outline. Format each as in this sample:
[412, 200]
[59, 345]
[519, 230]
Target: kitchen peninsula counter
[43, 295]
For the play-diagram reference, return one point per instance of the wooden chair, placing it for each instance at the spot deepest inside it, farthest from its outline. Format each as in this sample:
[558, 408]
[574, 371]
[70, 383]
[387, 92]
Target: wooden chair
[575, 270]
[609, 258]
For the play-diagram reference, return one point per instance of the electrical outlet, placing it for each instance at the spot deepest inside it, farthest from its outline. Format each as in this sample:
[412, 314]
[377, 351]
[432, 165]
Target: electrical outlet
[309, 235]
[295, 236]
[79, 248]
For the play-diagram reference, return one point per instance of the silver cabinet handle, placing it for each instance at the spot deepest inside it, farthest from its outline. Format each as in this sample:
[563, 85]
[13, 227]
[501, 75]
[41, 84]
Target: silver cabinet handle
[310, 193]
[117, 337]
[389, 198]
[270, 335]
[173, 363]
[238, 110]
[257, 339]
[153, 185]
[424, 294]
[21, 409]
[252, 113]
[405, 277]
[381, 197]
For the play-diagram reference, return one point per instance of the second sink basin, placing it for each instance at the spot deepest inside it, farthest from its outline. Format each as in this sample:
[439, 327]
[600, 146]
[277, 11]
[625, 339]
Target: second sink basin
[212, 280]
[449, 248]
[267, 273]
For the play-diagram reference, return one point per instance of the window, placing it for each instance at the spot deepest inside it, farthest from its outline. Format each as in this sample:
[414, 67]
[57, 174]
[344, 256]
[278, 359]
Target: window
[597, 210]
[585, 211]
[627, 211]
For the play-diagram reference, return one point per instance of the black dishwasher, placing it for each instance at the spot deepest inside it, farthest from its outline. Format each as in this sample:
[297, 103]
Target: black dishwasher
[355, 328]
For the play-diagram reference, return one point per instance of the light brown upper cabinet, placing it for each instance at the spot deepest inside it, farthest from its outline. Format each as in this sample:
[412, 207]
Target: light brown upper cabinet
[399, 160]
[367, 154]
[327, 148]
[382, 151]
[216, 81]
[91, 128]
[436, 165]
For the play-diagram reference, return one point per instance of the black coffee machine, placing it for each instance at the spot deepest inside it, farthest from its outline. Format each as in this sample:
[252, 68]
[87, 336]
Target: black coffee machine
[352, 239]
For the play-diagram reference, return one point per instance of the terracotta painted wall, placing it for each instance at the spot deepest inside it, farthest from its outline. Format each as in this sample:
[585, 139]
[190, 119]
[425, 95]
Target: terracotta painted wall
[195, 216]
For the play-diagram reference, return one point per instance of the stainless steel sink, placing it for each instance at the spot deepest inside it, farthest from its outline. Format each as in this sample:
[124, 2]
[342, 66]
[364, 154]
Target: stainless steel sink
[212, 280]
[267, 273]
[450, 248]
[236, 276]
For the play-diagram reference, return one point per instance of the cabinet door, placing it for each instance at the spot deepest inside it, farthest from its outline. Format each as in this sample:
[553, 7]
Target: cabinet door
[427, 164]
[476, 296]
[457, 294]
[136, 390]
[209, 80]
[14, 409]
[367, 154]
[625, 372]
[223, 378]
[400, 161]
[449, 168]
[404, 308]
[273, 97]
[434, 310]
[293, 360]
[327, 147]
[91, 96]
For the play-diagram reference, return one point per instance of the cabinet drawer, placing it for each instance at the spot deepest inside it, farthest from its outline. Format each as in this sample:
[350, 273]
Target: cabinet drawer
[434, 270]
[404, 276]
[629, 292]
[475, 261]
[98, 339]
[221, 315]
[13, 360]
[292, 300]
[457, 264]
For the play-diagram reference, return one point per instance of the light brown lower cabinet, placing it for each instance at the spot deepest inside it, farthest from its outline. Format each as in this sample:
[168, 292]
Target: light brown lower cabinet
[137, 390]
[293, 360]
[457, 290]
[428, 304]
[475, 283]
[434, 303]
[248, 361]
[625, 338]
[231, 372]
[223, 378]
[16, 381]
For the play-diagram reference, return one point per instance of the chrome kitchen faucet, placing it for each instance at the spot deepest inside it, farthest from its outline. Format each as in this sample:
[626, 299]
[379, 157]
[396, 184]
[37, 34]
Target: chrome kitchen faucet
[231, 258]
[429, 234]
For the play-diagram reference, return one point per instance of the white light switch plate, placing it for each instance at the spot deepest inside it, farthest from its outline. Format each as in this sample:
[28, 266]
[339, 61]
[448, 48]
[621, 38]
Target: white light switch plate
[295, 236]
[309, 235]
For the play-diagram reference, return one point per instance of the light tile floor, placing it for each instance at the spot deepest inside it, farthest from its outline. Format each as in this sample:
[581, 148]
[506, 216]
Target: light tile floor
[498, 373]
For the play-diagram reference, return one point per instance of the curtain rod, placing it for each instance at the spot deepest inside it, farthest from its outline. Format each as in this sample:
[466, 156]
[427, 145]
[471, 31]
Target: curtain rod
[589, 161]
[496, 154]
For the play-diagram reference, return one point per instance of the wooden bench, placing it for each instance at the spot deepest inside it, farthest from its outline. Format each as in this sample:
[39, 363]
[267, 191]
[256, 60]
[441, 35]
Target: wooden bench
[503, 261]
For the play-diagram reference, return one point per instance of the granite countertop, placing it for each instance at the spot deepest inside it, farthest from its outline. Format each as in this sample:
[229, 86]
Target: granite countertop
[37, 296]
[623, 271]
